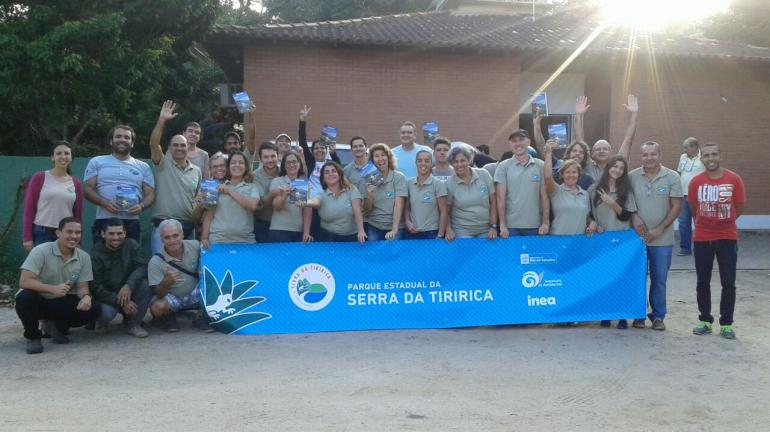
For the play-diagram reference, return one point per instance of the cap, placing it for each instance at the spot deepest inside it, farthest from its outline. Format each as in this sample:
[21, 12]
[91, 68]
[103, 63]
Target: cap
[518, 132]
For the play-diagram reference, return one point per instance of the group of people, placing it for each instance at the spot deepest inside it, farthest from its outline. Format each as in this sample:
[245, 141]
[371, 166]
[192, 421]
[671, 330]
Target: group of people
[411, 191]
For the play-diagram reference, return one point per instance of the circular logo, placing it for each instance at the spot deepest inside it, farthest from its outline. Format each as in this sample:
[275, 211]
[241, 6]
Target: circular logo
[311, 287]
[531, 279]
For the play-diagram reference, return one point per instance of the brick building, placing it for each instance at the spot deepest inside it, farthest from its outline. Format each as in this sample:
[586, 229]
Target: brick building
[475, 73]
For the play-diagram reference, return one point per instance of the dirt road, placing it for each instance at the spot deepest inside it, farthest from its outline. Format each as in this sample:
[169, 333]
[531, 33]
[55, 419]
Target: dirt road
[513, 378]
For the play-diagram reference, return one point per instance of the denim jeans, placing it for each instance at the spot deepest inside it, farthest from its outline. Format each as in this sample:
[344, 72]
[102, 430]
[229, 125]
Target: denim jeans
[375, 234]
[522, 232]
[726, 252]
[422, 235]
[659, 262]
[139, 295]
[261, 229]
[685, 226]
[281, 236]
[326, 236]
[42, 234]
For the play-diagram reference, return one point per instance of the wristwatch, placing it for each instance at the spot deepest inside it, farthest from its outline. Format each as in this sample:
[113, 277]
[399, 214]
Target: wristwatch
[494, 226]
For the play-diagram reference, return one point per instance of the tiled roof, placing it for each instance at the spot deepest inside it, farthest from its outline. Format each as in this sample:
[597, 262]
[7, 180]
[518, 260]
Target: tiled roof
[564, 30]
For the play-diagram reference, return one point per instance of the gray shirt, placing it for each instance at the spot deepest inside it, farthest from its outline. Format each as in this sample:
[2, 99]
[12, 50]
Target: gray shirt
[523, 181]
[423, 202]
[336, 212]
[289, 218]
[176, 188]
[262, 179]
[570, 211]
[469, 203]
[156, 269]
[653, 200]
[605, 216]
[231, 222]
[48, 264]
[384, 200]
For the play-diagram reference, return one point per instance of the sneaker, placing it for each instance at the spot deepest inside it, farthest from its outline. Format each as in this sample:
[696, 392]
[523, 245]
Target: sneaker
[170, 323]
[100, 328]
[137, 331]
[703, 328]
[90, 326]
[57, 336]
[638, 323]
[657, 324]
[34, 346]
[202, 323]
[727, 332]
[683, 252]
[606, 323]
[622, 324]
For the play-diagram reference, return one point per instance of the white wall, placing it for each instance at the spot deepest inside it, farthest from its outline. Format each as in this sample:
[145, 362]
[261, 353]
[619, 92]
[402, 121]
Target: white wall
[562, 92]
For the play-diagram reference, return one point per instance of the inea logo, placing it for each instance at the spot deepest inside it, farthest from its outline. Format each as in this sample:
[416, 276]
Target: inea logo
[311, 287]
[531, 279]
[541, 301]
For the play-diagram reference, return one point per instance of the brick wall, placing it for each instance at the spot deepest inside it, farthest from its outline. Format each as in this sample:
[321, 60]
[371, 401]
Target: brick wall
[474, 98]
[684, 98]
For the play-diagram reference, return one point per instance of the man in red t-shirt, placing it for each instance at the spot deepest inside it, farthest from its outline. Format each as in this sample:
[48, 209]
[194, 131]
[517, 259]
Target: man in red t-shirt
[716, 199]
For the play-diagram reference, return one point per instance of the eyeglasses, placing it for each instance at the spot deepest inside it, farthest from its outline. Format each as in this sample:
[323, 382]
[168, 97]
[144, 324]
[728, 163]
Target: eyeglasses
[292, 163]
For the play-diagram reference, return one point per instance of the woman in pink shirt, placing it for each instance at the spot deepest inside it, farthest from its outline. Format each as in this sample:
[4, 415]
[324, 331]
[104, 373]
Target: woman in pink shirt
[51, 196]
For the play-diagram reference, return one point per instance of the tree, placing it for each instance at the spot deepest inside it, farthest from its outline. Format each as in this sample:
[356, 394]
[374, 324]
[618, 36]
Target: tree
[747, 21]
[71, 70]
[324, 10]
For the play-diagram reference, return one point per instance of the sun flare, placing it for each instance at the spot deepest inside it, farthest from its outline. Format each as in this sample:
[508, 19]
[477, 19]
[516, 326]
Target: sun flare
[654, 15]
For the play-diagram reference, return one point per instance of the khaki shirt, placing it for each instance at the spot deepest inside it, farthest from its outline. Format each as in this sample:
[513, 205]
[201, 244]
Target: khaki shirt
[522, 197]
[605, 216]
[353, 175]
[653, 200]
[336, 212]
[233, 223]
[290, 217]
[47, 262]
[593, 170]
[384, 200]
[175, 188]
[469, 203]
[157, 267]
[423, 202]
[570, 211]
[262, 179]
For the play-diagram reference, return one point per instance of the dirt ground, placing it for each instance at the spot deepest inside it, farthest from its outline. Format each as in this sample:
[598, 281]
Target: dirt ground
[512, 378]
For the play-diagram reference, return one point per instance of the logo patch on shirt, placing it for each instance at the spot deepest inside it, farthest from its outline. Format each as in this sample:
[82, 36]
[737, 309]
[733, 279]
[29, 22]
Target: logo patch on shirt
[484, 190]
[662, 190]
[427, 198]
[535, 178]
[389, 194]
[349, 204]
[134, 172]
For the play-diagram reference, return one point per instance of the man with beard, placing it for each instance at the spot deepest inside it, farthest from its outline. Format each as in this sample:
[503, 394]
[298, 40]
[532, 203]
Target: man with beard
[716, 198]
[120, 282]
[178, 179]
[54, 286]
[198, 156]
[268, 170]
[118, 184]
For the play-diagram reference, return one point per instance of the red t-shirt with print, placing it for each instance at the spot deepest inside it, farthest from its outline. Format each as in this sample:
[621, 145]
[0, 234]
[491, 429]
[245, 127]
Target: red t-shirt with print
[715, 201]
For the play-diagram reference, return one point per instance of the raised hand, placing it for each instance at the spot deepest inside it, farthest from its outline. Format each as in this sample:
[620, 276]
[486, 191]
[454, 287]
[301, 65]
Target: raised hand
[606, 198]
[633, 105]
[167, 111]
[549, 145]
[303, 113]
[581, 105]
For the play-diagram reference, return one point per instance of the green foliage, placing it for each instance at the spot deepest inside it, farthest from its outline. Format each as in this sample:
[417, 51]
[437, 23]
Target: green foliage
[748, 21]
[71, 69]
[241, 12]
[324, 10]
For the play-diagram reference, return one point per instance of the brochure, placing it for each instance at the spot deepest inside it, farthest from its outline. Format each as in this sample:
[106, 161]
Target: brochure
[558, 133]
[429, 133]
[329, 135]
[540, 104]
[127, 196]
[242, 102]
[300, 190]
[209, 192]
[371, 174]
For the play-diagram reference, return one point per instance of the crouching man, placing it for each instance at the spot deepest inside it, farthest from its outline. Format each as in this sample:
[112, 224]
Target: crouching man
[54, 286]
[173, 277]
[120, 281]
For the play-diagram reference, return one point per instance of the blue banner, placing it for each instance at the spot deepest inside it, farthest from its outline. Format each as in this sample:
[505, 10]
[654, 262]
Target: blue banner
[298, 288]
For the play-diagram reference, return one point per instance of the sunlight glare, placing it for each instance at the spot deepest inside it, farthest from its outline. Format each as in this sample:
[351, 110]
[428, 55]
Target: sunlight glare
[656, 15]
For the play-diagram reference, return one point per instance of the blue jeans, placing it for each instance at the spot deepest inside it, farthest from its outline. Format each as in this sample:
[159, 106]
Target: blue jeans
[726, 252]
[139, 295]
[326, 236]
[658, 261]
[522, 232]
[422, 235]
[685, 226]
[41, 234]
[281, 236]
[261, 229]
[376, 234]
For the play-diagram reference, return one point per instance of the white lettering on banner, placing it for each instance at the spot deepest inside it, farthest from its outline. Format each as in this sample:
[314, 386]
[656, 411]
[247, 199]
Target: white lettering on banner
[449, 296]
[367, 286]
[541, 301]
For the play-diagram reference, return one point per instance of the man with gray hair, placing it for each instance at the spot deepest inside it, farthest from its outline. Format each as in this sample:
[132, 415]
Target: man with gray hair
[690, 165]
[658, 193]
[177, 179]
[173, 277]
